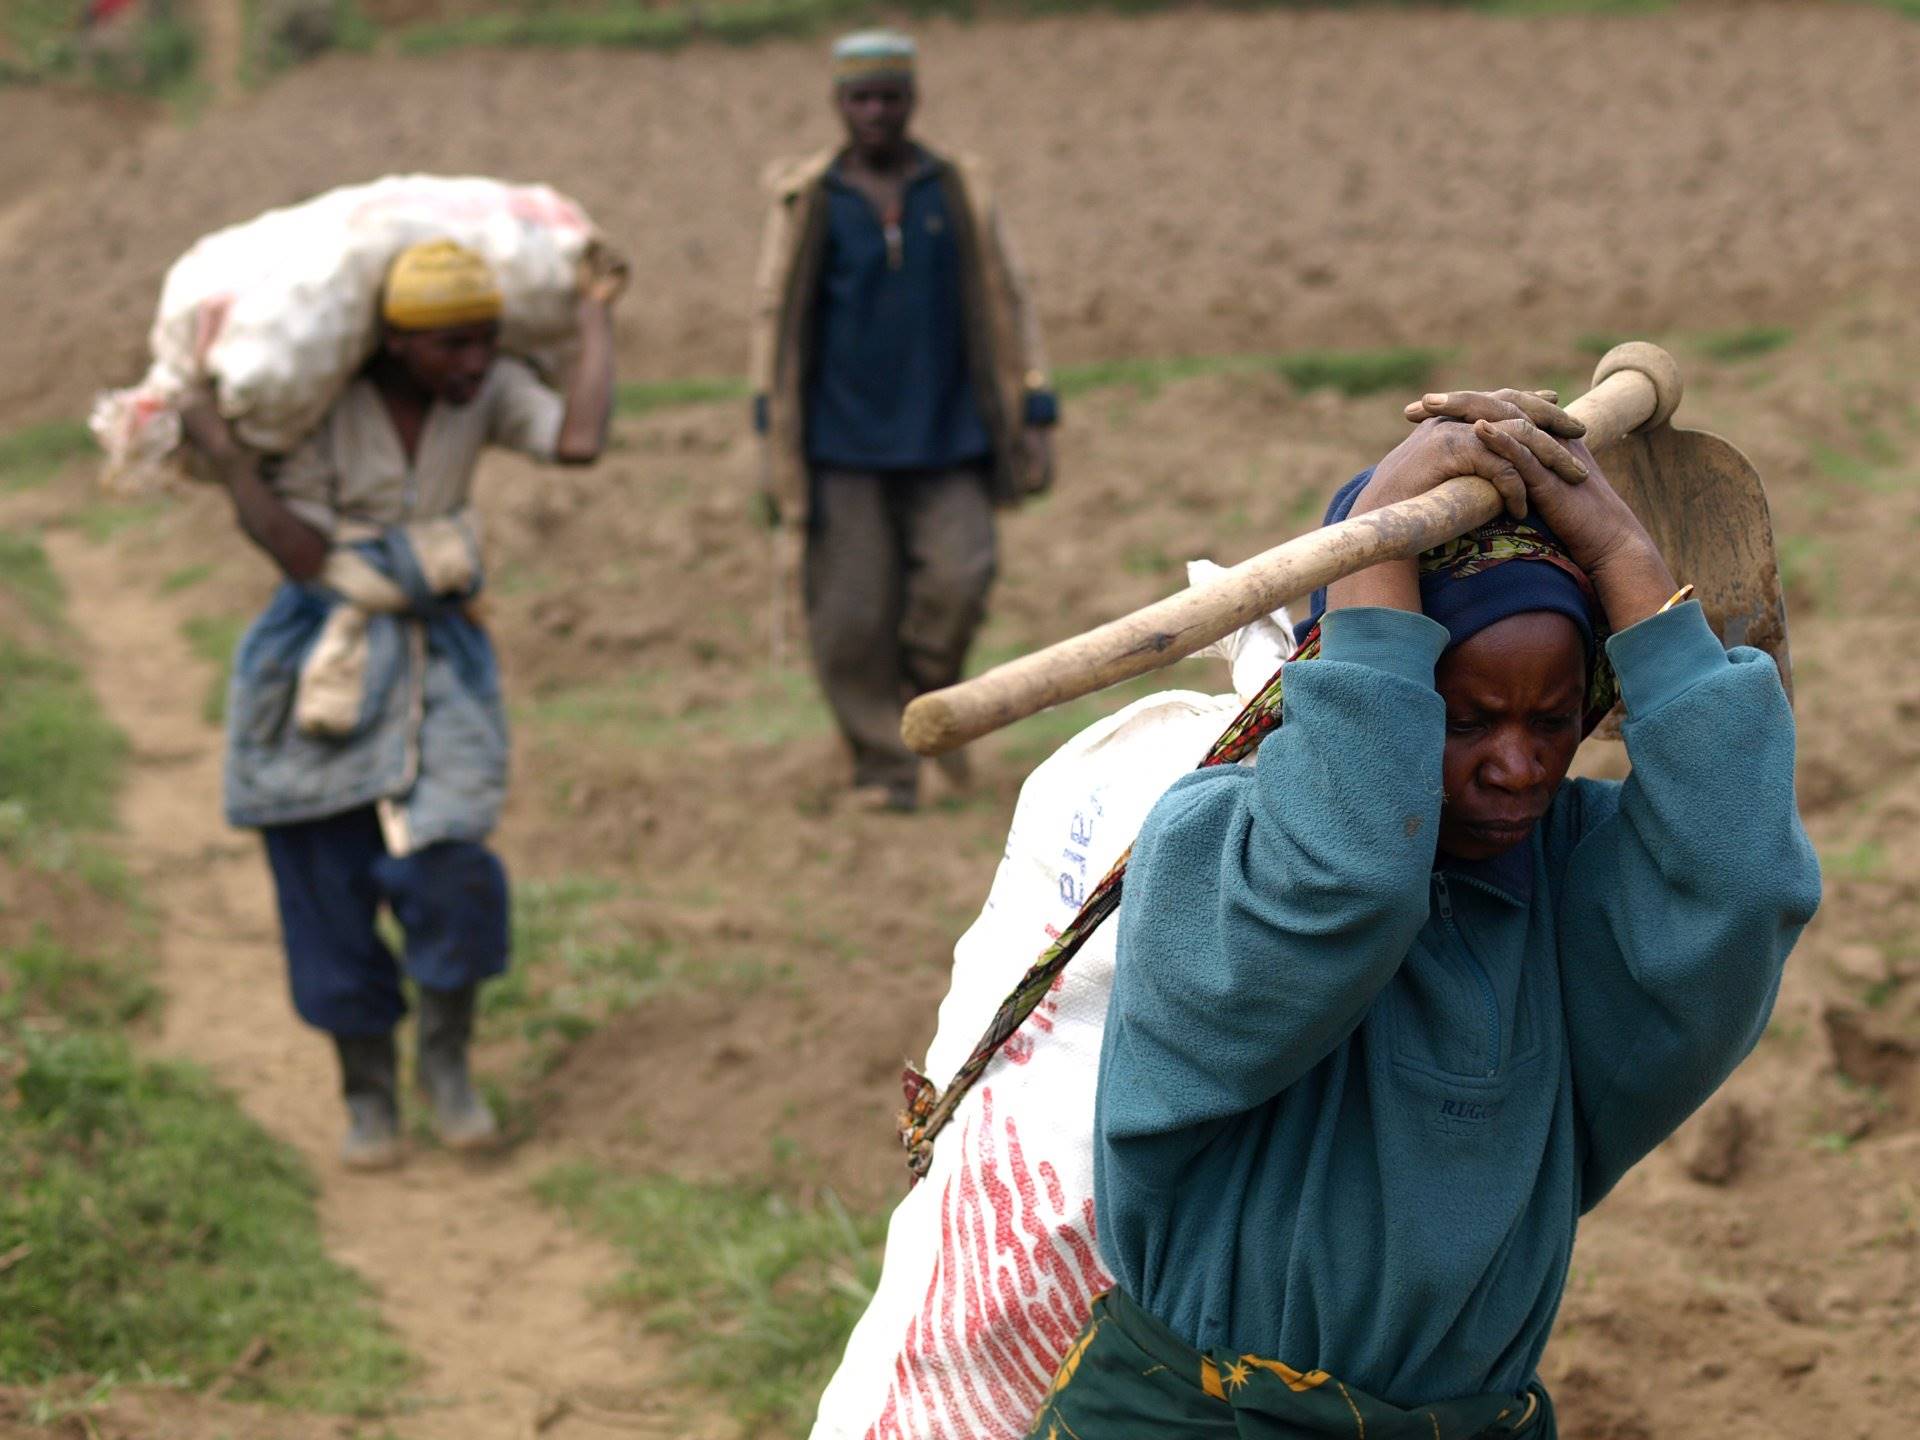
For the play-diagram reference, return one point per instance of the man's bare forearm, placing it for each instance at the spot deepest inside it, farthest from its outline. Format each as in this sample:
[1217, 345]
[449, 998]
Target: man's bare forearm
[583, 432]
[295, 546]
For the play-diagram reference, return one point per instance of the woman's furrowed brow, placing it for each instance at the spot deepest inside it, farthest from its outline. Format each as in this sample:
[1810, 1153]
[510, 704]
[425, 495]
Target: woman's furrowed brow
[1458, 706]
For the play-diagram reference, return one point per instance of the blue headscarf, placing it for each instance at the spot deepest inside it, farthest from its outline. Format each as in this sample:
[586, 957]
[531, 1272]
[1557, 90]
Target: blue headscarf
[1468, 603]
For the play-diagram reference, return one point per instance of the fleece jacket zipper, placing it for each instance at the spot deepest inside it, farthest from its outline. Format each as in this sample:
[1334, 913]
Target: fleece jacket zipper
[1445, 898]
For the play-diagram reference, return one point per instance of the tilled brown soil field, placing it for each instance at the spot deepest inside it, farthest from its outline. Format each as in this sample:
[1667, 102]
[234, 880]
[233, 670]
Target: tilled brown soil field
[1187, 183]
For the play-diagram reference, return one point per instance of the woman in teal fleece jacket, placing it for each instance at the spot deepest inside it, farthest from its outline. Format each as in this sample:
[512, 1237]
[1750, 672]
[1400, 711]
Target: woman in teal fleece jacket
[1399, 1003]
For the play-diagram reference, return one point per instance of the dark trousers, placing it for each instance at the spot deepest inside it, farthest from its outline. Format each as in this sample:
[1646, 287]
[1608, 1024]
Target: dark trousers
[332, 876]
[897, 573]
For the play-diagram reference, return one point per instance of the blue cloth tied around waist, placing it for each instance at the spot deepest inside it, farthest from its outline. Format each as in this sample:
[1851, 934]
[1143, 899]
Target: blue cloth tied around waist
[416, 715]
[1129, 1375]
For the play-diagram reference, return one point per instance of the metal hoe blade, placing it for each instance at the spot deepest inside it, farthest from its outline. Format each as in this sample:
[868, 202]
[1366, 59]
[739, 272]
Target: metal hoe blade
[1702, 502]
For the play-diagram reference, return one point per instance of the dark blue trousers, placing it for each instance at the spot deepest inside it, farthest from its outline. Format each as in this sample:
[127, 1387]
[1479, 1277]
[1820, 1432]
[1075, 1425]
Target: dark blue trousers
[333, 875]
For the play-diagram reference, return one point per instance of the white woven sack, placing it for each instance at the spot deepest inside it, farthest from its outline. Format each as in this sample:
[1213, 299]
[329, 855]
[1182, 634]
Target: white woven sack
[991, 1262]
[279, 312]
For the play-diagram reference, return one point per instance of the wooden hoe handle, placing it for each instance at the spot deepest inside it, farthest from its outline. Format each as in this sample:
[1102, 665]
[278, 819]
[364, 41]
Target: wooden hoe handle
[1635, 385]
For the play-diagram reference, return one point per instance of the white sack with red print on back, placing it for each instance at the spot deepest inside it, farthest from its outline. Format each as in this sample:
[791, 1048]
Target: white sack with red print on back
[278, 313]
[992, 1261]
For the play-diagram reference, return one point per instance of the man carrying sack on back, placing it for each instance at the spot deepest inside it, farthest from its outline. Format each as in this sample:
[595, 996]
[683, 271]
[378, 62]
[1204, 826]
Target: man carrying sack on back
[901, 394]
[367, 740]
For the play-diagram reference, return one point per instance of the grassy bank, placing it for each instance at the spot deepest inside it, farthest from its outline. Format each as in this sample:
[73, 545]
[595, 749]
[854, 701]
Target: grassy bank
[636, 24]
[116, 1262]
[1350, 372]
[759, 1289]
[155, 52]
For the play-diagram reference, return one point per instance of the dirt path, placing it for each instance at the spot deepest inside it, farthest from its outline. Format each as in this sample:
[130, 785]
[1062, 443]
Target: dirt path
[487, 1287]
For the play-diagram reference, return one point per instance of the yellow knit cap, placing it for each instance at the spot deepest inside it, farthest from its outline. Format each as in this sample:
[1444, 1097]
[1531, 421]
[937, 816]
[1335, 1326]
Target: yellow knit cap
[438, 284]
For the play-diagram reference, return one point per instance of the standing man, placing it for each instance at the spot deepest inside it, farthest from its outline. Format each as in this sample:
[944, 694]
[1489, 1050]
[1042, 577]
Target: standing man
[901, 394]
[367, 741]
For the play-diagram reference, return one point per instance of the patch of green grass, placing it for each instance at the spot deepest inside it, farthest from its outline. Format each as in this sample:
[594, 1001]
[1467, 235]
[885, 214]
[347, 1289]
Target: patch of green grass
[1875, 1097]
[60, 759]
[1146, 560]
[1878, 472]
[52, 850]
[128, 1269]
[759, 1290]
[37, 29]
[27, 575]
[352, 30]
[746, 21]
[1305, 509]
[302, 35]
[1146, 377]
[577, 962]
[45, 977]
[573, 966]
[163, 63]
[1533, 8]
[1878, 446]
[1791, 1033]
[633, 24]
[1876, 995]
[1808, 567]
[117, 1262]
[185, 578]
[214, 639]
[106, 875]
[623, 25]
[1239, 519]
[1744, 344]
[34, 454]
[1359, 372]
[1838, 465]
[777, 708]
[155, 52]
[1351, 372]
[1118, 7]
[104, 520]
[638, 397]
[621, 702]
[1865, 861]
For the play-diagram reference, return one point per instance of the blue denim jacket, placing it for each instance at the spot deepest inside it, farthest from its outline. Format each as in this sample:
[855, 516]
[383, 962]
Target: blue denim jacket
[432, 728]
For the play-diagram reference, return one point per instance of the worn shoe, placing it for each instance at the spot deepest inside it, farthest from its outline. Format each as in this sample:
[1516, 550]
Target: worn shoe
[901, 797]
[368, 1080]
[460, 1117]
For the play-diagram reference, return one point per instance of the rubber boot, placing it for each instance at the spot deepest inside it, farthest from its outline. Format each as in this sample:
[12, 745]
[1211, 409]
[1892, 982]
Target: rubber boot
[368, 1080]
[460, 1116]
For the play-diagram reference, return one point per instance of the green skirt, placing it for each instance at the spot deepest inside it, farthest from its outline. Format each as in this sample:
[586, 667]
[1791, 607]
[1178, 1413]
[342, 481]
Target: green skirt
[1128, 1376]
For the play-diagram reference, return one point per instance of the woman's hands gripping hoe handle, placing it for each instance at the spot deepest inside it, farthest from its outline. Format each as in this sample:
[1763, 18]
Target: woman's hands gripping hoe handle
[1635, 385]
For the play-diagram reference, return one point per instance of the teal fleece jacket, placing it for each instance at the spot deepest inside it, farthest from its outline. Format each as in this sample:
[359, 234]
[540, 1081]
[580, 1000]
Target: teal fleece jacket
[1353, 1101]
